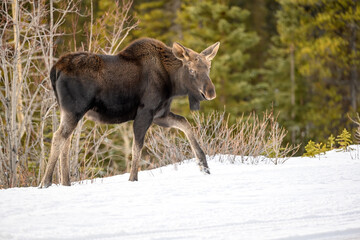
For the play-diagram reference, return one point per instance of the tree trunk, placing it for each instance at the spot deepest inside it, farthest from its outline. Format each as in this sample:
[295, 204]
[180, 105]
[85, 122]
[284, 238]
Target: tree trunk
[173, 6]
[91, 24]
[353, 71]
[15, 12]
[16, 101]
[292, 93]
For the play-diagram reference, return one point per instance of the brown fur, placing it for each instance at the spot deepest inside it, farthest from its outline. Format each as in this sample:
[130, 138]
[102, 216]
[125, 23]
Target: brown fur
[79, 62]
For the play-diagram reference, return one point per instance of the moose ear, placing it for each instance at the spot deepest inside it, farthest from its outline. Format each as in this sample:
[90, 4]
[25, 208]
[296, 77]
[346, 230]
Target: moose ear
[180, 52]
[211, 51]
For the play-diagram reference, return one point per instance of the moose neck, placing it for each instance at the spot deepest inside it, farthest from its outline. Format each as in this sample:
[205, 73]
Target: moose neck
[178, 79]
[175, 70]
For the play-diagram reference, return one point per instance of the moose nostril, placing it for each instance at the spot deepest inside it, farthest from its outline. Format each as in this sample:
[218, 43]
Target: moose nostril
[211, 94]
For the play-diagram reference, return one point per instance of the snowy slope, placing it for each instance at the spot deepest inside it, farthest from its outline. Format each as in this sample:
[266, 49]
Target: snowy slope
[305, 198]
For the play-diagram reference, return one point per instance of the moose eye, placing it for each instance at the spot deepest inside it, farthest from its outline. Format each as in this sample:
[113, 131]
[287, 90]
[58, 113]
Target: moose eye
[192, 71]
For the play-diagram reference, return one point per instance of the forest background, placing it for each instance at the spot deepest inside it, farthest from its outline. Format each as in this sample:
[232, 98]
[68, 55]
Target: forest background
[296, 58]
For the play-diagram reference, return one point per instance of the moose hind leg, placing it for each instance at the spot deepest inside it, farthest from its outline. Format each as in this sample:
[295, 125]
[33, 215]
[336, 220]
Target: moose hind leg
[136, 156]
[65, 164]
[67, 126]
[179, 122]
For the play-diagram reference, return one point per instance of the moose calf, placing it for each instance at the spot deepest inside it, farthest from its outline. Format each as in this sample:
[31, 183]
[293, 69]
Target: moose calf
[137, 84]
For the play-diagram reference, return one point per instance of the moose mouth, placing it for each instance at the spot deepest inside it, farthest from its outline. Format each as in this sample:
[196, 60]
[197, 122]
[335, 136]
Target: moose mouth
[203, 95]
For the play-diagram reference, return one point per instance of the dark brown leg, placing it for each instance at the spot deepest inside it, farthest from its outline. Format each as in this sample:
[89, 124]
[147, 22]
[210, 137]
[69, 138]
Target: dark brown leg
[141, 124]
[179, 122]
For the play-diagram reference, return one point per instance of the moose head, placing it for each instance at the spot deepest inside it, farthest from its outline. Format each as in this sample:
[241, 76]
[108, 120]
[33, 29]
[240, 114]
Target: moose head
[196, 70]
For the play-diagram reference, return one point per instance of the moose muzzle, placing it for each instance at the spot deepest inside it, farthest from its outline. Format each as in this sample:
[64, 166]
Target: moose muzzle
[209, 92]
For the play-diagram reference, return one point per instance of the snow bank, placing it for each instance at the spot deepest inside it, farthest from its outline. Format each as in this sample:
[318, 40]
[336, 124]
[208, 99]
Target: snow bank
[305, 198]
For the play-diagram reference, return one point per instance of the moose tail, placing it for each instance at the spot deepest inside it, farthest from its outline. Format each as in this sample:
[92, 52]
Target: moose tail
[53, 78]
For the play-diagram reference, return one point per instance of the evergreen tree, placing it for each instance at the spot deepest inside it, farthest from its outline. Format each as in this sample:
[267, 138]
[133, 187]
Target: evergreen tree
[312, 149]
[263, 21]
[158, 20]
[281, 73]
[331, 142]
[319, 39]
[328, 58]
[344, 139]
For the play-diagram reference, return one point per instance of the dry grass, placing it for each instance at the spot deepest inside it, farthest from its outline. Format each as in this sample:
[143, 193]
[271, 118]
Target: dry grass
[357, 131]
[252, 138]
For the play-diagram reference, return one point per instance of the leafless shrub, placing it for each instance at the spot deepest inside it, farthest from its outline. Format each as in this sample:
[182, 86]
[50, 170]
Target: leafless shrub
[357, 135]
[274, 149]
[109, 32]
[252, 138]
[165, 146]
[28, 116]
[357, 131]
[97, 149]
[26, 102]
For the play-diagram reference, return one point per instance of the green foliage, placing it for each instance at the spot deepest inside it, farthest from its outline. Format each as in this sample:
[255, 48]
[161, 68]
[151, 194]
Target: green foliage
[344, 139]
[322, 35]
[157, 20]
[331, 142]
[312, 149]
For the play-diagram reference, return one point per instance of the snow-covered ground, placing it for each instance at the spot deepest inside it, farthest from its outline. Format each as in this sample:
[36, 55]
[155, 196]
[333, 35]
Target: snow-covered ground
[305, 198]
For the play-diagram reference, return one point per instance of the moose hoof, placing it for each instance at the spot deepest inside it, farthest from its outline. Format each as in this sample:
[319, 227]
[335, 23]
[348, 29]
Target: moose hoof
[44, 185]
[133, 178]
[205, 170]
[68, 184]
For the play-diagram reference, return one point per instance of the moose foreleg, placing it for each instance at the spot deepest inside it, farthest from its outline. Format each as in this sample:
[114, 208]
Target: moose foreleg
[141, 124]
[179, 122]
